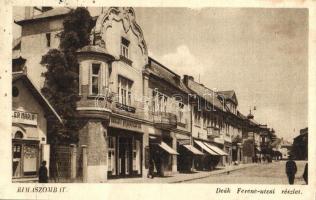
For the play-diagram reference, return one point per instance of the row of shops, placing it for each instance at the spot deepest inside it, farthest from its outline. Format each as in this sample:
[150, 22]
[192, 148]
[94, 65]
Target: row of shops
[130, 150]
[155, 123]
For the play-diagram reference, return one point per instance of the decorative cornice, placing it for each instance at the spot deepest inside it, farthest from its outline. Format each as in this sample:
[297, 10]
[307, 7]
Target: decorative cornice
[126, 15]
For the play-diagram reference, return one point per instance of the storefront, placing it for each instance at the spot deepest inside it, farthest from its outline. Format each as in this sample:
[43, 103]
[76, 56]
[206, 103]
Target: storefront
[228, 149]
[237, 153]
[29, 133]
[125, 146]
[189, 155]
[212, 155]
[25, 155]
[161, 154]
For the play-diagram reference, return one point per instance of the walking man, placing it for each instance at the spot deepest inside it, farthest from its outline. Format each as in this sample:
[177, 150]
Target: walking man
[42, 173]
[291, 170]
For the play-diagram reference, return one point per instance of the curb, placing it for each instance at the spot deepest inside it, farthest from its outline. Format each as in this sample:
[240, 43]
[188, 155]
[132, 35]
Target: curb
[208, 175]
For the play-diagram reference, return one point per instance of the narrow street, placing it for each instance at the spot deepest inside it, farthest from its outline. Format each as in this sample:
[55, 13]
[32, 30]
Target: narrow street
[272, 173]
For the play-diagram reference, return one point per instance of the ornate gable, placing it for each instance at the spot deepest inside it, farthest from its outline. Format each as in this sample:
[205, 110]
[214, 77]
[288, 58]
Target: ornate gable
[126, 15]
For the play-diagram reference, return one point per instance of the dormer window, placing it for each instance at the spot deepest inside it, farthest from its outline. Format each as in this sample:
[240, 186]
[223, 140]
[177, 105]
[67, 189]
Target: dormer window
[95, 79]
[124, 47]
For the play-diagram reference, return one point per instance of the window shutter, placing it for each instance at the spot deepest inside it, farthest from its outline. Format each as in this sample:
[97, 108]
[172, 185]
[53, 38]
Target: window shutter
[100, 80]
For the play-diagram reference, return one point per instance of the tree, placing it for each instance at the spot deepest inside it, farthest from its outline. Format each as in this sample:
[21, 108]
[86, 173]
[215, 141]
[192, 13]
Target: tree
[62, 75]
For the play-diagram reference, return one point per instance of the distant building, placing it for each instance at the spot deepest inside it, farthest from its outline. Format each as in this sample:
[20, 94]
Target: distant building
[285, 148]
[300, 145]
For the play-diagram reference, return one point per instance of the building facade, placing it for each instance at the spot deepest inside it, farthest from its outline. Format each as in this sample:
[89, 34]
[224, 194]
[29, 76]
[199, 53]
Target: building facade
[31, 113]
[139, 117]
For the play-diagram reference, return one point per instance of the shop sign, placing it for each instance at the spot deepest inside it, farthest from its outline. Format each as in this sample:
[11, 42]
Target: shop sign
[125, 124]
[24, 117]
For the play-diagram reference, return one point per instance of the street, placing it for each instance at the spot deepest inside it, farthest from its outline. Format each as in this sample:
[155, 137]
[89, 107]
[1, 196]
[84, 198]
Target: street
[272, 173]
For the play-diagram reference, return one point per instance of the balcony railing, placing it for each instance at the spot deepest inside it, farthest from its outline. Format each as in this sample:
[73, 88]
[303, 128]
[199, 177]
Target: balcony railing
[165, 120]
[125, 107]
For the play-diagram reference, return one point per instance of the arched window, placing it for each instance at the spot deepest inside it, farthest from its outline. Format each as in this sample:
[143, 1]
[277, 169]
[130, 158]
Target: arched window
[15, 91]
[18, 135]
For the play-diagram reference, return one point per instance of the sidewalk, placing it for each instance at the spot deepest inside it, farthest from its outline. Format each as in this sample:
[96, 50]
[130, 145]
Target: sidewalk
[182, 177]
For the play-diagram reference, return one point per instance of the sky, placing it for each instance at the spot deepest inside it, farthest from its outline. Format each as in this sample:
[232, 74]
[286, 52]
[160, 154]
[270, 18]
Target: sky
[260, 53]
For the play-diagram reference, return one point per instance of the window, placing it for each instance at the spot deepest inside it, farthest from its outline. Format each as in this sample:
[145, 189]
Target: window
[15, 91]
[18, 135]
[95, 79]
[125, 91]
[204, 119]
[111, 155]
[136, 156]
[124, 47]
[48, 38]
[160, 102]
[180, 112]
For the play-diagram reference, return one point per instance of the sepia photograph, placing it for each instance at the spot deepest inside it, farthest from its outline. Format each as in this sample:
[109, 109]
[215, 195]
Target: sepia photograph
[212, 95]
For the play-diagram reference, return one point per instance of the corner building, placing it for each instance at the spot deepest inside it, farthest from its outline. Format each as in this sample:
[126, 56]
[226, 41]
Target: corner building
[112, 107]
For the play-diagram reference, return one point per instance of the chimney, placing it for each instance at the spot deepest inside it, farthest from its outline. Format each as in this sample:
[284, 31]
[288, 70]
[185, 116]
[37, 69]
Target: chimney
[186, 79]
[28, 12]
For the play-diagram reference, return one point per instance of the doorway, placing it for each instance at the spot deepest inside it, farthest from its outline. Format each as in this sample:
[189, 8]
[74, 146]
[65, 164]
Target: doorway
[17, 160]
[125, 156]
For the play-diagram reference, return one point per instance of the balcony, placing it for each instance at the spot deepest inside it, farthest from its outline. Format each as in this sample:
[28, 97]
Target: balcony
[165, 120]
[125, 107]
[213, 132]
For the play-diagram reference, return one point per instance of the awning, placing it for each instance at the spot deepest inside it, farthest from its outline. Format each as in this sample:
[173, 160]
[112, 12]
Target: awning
[154, 139]
[203, 146]
[216, 149]
[168, 149]
[194, 150]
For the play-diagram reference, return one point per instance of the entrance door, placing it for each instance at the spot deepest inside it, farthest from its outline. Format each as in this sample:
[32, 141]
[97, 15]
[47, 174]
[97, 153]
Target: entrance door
[125, 156]
[17, 160]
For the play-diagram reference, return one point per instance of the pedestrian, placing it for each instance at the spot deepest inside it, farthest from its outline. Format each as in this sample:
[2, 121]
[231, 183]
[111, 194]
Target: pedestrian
[42, 173]
[305, 174]
[291, 170]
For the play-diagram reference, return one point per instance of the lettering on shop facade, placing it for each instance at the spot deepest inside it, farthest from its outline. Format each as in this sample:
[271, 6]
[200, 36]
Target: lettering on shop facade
[24, 117]
[126, 124]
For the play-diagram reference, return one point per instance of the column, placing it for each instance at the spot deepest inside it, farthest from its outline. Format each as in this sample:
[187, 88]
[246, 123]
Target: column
[73, 162]
[84, 163]
[174, 157]
[145, 166]
[146, 100]
[93, 135]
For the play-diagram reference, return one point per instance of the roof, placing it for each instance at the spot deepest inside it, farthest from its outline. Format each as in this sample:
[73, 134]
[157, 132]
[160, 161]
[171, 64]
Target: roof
[230, 95]
[162, 72]
[39, 96]
[59, 11]
[209, 95]
[94, 49]
[242, 116]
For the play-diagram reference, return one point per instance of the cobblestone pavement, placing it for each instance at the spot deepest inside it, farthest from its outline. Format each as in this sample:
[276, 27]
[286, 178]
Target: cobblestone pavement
[181, 177]
[272, 173]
